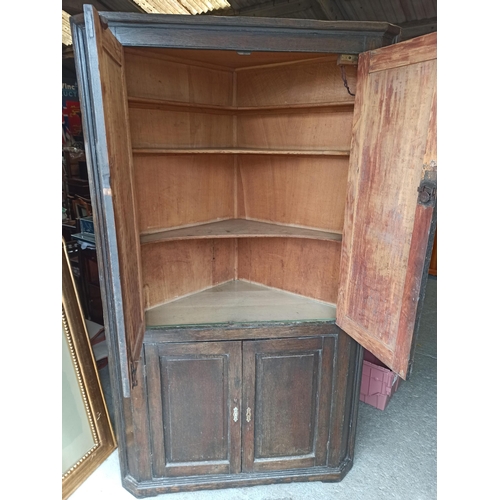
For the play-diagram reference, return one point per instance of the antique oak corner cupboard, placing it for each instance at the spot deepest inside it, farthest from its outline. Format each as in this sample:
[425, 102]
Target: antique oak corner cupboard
[256, 225]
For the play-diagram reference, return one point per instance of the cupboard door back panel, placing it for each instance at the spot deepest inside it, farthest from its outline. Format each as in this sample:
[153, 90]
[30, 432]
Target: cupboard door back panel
[114, 175]
[386, 229]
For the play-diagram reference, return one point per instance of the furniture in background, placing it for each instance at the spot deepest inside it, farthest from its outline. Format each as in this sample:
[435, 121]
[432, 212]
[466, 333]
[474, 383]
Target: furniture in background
[87, 435]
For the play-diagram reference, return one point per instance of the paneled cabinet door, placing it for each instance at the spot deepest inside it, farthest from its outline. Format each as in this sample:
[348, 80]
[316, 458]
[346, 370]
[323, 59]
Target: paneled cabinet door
[194, 407]
[286, 403]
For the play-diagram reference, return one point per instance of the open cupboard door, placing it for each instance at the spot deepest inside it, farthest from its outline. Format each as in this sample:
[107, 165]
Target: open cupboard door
[391, 198]
[109, 156]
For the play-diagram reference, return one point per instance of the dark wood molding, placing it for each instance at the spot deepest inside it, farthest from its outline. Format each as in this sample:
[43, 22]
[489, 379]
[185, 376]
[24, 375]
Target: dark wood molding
[421, 27]
[261, 34]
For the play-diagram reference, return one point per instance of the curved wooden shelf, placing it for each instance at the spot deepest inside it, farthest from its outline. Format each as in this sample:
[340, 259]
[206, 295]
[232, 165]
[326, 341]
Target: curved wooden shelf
[239, 151]
[239, 228]
[147, 103]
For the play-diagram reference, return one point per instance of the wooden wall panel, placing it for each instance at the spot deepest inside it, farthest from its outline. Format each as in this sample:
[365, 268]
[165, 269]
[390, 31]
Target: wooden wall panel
[308, 82]
[178, 268]
[181, 190]
[150, 76]
[303, 191]
[229, 58]
[380, 211]
[306, 267]
[305, 130]
[156, 128]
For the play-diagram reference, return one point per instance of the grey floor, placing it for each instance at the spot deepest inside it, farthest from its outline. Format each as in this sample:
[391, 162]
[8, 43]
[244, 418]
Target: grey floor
[395, 455]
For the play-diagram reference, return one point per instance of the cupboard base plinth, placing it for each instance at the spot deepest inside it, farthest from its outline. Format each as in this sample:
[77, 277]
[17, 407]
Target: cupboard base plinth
[142, 489]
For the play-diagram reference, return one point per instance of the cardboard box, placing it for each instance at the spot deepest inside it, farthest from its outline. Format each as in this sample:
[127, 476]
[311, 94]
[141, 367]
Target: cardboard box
[378, 382]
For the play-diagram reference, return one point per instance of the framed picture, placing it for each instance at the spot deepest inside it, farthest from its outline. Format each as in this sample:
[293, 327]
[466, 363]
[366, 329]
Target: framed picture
[87, 435]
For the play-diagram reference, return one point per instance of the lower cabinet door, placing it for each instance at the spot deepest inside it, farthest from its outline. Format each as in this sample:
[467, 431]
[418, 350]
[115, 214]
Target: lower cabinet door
[287, 385]
[194, 407]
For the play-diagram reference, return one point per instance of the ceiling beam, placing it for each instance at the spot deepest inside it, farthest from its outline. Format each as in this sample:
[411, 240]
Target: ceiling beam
[330, 9]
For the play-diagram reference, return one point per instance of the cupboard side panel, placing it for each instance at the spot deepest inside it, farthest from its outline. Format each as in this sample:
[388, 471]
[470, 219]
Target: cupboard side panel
[345, 395]
[305, 267]
[300, 191]
[175, 191]
[178, 268]
[138, 430]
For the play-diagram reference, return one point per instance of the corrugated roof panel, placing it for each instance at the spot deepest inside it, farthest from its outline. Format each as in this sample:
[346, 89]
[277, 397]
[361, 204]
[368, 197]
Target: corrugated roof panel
[181, 6]
[66, 30]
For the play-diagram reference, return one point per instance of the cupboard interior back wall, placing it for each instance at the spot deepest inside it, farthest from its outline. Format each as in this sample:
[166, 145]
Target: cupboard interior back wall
[238, 175]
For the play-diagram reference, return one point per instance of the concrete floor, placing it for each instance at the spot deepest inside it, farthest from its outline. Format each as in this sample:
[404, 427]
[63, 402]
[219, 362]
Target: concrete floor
[395, 455]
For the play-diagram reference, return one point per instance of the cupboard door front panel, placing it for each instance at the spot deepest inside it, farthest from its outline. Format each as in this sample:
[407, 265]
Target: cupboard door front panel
[286, 403]
[194, 405]
[390, 199]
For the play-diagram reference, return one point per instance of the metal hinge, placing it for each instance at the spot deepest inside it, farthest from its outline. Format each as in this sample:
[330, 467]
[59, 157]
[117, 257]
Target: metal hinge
[427, 194]
[133, 373]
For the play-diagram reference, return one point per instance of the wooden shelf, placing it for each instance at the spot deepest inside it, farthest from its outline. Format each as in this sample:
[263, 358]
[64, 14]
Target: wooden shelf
[239, 228]
[145, 103]
[239, 151]
[239, 302]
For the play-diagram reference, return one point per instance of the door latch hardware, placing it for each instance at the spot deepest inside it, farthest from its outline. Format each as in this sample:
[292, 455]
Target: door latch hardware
[249, 414]
[235, 414]
[347, 60]
[427, 194]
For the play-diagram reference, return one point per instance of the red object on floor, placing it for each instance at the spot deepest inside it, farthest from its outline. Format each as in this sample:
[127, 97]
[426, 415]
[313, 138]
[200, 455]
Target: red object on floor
[378, 383]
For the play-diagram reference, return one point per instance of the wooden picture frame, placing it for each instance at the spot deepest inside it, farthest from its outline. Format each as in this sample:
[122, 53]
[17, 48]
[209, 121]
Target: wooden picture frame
[88, 437]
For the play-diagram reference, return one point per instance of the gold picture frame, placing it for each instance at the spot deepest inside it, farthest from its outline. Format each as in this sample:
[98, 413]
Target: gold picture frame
[88, 437]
